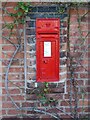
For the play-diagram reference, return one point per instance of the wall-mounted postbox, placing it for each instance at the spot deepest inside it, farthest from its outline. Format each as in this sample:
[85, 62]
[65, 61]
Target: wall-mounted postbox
[47, 49]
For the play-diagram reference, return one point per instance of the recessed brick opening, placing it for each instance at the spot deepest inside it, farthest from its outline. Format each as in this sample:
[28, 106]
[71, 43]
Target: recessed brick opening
[46, 11]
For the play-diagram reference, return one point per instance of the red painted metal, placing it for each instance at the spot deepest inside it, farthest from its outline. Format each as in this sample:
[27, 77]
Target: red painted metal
[47, 50]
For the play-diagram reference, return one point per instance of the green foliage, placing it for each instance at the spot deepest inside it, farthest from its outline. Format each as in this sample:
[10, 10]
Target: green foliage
[20, 11]
[18, 16]
[10, 26]
[61, 10]
[22, 6]
[43, 97]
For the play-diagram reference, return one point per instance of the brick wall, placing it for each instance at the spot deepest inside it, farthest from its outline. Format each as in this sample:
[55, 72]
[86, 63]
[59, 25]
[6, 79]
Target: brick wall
[16, 71]
[60, 91]
[80, 52]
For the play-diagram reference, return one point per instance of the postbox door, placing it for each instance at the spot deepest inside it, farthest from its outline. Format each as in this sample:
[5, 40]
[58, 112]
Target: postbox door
[48, 60]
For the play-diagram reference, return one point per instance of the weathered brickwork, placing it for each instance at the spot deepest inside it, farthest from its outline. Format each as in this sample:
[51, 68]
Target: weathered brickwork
[59, 91]
[79, 51]
[50, 11]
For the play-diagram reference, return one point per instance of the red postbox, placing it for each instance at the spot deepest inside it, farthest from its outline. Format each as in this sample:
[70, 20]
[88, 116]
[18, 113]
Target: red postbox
[47, 49]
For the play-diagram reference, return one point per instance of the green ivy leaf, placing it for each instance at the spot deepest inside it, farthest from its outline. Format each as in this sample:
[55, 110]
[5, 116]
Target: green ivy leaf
[22, 7]
[22, 21]
[16, 8]
[51, 99]
[26, 9]
[46, 84]
[61, 10]
[19, 14]
[45, 90]
[10, 26]
[20, 3]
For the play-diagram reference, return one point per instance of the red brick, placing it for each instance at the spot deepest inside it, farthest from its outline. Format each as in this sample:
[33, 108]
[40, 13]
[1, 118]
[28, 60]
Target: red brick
[0, 41]
[67, 96]
[7, 19]
[84, 33]
[75, 76]
[80, 11]
[84, 62]
[80, 68]
[16, 69]
[3, 112]
[0, 18]
[31, 104]
[14, 91]
[19, 55]
[67, 110]
[13, 112]
[74, 33]
[85, 103]
[83, 75]
[3, 91]
[85, 109]
[73, 11]
[8, 48]
[65, 103]
[14, 77]
[7, 105]
[84, 26]
[65, 117]
[73, 19]
[13, 39]
[16, 84]
[15, 63]
[5, 33]
[88, 89]
[11, 10]
[6, 55]
[4, 97]
[31, 97]
[9, 4]
[18, 98]
[56, 96]
[54, 110]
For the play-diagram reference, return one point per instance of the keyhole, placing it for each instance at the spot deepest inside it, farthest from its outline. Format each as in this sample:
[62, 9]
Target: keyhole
[45, 61]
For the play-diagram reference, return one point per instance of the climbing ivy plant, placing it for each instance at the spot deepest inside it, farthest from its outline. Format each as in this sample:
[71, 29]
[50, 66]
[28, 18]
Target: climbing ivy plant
[20, 11]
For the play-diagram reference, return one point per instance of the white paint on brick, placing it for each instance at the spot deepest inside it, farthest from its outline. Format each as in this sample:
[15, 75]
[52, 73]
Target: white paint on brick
[63, 66]
[63, 73]
[63, 58]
